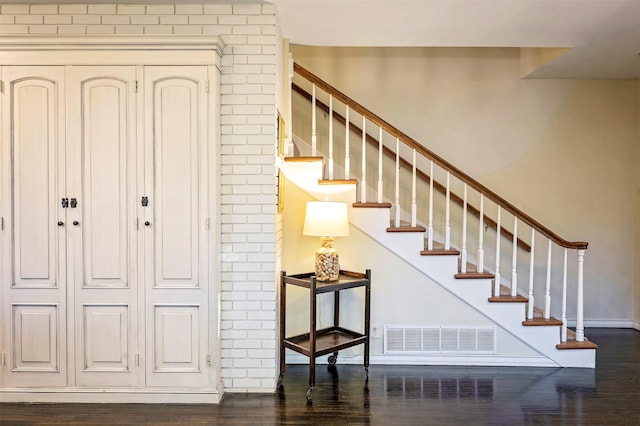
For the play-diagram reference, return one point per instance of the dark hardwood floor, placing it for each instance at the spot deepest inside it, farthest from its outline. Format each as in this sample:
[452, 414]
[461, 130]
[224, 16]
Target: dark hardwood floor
[417, 395]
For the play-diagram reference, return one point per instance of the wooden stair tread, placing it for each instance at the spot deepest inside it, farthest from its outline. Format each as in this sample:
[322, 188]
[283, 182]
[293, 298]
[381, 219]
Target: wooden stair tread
[302, 159]
[337, 181]
[573, 344]
[372, 205]
[474, 275]
[508, 299]
[540, 321]
[406, 229]
[440, 252]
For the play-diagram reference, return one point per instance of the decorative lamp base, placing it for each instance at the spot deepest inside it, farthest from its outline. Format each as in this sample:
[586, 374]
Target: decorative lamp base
[327, 261]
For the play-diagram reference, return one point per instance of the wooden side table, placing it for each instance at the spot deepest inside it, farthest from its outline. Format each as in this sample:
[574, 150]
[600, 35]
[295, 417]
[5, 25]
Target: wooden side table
[329, 340]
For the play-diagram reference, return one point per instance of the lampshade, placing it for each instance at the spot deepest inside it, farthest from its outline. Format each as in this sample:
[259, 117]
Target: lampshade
[326, 219]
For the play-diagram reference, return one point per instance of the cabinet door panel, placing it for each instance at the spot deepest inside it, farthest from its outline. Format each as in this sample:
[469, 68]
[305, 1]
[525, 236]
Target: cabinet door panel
[34, 280]
[176, 106]
[101, 175]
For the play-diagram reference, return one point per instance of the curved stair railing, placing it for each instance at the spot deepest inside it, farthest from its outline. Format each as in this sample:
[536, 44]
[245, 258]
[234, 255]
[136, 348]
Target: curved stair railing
[397, 154]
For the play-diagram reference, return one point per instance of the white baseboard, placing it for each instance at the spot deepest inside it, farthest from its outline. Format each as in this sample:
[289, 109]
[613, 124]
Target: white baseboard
[99, 396]
[636, 325]
[448, 359]
[605, 323]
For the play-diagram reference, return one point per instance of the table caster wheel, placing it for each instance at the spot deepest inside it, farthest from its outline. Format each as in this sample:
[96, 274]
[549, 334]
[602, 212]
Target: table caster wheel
[309, 394]
[280, 380]
[333, 359]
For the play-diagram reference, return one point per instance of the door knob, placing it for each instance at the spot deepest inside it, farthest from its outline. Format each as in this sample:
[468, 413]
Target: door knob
[76, 223]
[60, 223]
[147, 223]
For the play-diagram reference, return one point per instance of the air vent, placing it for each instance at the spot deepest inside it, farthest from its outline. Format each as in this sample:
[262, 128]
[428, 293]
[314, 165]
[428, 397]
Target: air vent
[439, 340]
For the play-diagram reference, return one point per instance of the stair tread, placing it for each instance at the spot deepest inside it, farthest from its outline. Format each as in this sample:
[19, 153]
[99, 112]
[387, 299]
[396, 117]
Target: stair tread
[508, 299]
[440, 252]
[474, 275]
[337, 181]
[372, 205]
[573, 344]
[406, 229]
[303, 159]
[540, 321]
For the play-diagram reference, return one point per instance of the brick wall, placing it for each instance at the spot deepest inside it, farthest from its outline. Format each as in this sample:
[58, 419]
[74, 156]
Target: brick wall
[250, 227]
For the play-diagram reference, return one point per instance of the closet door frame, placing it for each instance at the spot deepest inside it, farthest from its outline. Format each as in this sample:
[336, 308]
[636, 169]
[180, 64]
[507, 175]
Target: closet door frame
[140, 51]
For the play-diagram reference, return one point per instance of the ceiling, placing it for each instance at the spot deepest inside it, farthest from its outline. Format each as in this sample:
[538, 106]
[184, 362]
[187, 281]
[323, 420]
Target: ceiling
[604, 35]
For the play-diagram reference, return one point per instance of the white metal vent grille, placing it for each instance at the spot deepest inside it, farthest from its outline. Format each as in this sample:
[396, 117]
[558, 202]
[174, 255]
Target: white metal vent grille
[439, 339]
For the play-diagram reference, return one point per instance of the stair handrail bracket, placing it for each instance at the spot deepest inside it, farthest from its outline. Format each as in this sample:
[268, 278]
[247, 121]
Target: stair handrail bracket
[397, 172]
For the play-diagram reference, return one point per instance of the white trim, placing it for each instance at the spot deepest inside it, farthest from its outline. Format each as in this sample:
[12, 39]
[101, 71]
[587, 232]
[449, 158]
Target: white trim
[636, 325]
[97, 396]
[604, 323]
[444, 359]
[124, 50]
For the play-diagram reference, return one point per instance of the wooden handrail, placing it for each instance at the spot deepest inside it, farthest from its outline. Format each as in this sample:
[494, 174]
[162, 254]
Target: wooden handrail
[407, 140]
[406, 164]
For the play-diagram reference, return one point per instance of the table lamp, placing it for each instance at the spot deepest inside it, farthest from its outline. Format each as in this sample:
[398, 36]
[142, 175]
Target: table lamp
[326, 219]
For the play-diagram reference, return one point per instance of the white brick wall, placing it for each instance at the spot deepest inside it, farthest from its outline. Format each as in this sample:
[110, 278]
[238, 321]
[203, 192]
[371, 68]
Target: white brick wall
[250, 226]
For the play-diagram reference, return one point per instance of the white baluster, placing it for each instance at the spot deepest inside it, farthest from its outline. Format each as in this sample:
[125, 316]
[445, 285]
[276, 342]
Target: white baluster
[397, 206]
[481, 236]
[430, 229]
[347, 171]
[463, 251]
[314, 134]
[563, 336]
[497, 278]
[330, 137]
[380, 148]
[414, 206]
[447, 219]
[363, 181]
[289, 151]
[580, 301]
[547, 289]
[514, 263]
[531, 302]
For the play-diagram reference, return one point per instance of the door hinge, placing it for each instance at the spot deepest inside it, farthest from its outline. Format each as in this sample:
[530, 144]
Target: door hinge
[1, 86]
[207, 224]
[137, 224]
[206, 86]
[135, 87]
[4, 359]
[137, 359]
[209, 360]
[2, 224]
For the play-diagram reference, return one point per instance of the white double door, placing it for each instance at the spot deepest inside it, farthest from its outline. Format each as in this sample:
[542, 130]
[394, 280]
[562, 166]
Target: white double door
[104, 201]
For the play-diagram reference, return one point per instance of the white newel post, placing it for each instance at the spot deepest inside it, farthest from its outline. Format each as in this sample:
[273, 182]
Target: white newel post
[463, 251]
[514, 261]
[481, 236]
[563, 336]
[580, 301]
[497, 277]
[363, 181]
[531, 302]
[314, 134]
[330, 137]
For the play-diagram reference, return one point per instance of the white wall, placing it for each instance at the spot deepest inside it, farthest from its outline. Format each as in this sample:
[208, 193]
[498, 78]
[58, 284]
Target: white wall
[247, 221]
[561, 150]
[400, 295]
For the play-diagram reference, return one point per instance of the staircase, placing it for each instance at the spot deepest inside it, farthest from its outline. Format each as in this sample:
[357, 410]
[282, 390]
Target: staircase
[439, 220]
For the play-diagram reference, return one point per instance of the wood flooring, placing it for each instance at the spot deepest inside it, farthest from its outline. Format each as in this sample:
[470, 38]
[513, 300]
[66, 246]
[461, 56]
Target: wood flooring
[408, 395]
